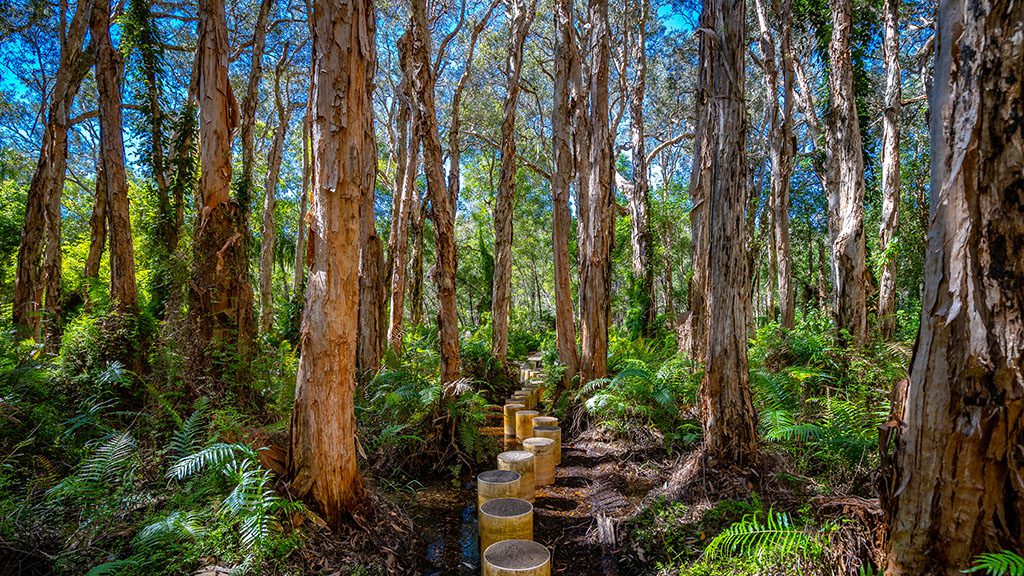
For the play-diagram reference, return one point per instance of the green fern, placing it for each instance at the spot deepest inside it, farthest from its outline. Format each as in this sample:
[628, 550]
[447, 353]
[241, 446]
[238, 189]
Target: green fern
[174, 526]
[1003, 563]
[192, 433]
[113, 567]
[776, 536]
[215, 456]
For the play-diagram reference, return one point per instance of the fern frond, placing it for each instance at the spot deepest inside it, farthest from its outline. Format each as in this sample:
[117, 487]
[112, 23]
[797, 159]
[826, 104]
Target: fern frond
[174, 526]
[115, 459]
[112, 568]
[1003, 563]
[192, 434]
[752, 537]
[217, 455]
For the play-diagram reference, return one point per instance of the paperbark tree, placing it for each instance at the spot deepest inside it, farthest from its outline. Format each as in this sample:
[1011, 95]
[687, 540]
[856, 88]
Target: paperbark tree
[638, 195]
[561, 117]
[455, 127]
[596, 207]
[521, 16]
[322, 453]
[407, 160]
[267, 229]
[299, 270]
[123, 291]
[957, 490]
[97, 228]
[846, 189]
[442, 205]
[41, 227]
[727, 414]
[781, 146]
[890, 167]
[247, 121]
[220, 296]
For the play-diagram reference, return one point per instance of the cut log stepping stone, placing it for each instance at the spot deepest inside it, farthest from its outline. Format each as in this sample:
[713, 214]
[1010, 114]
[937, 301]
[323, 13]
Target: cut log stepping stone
[517, 558]
[505, 519]
[545, 421]
[494, 484]
[524, 423]
[510, 417]
[521, 461]
[543, 450]
[552, 432]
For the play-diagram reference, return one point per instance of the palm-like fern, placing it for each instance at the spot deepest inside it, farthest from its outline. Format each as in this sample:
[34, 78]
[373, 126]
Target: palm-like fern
[1003, 563]
[174, 526]
[215, 456]
[776, 536]
[192, 435]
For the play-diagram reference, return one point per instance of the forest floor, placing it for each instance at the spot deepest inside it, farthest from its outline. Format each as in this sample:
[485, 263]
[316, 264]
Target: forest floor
[597, 486]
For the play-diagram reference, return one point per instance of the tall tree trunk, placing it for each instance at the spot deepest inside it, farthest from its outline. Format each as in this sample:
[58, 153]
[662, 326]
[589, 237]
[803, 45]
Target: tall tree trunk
[322, 452]
[407, 159]
[846, 194]
[247, 121]
[123, 291]
[267, 230]
[957, 488]
[220, 296]
[596, 218]
[693, 339]
[781, 150]
[42, 213]
[442, 205]
[455, 128]
[417, 221]
[522, 12]
[727, 414]
[97, 228]
[890, 168]
[639, 193]
[565, 323]
[299, 268]
[372, 283]
[146, 40]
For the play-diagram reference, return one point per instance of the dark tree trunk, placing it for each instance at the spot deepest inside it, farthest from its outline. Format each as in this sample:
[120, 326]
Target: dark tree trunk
[36, 280]
[220, 296]
[521, 14]
[442, 205]
[727, 413]
[123, 291]
[565, 53]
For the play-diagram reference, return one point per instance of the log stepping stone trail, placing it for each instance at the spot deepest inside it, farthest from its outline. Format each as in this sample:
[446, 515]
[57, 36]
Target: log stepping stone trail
[574, 517]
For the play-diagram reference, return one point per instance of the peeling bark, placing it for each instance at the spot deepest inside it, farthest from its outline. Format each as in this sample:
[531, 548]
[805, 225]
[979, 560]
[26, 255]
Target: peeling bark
[123, 291]
[521, 16]
[954, 488]
[727, 414]
[41, 228]
[322, 452]
[565, 324]
[846, 188]
[596, 212]
[442, 205]
[220, 296]
[890, 168]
